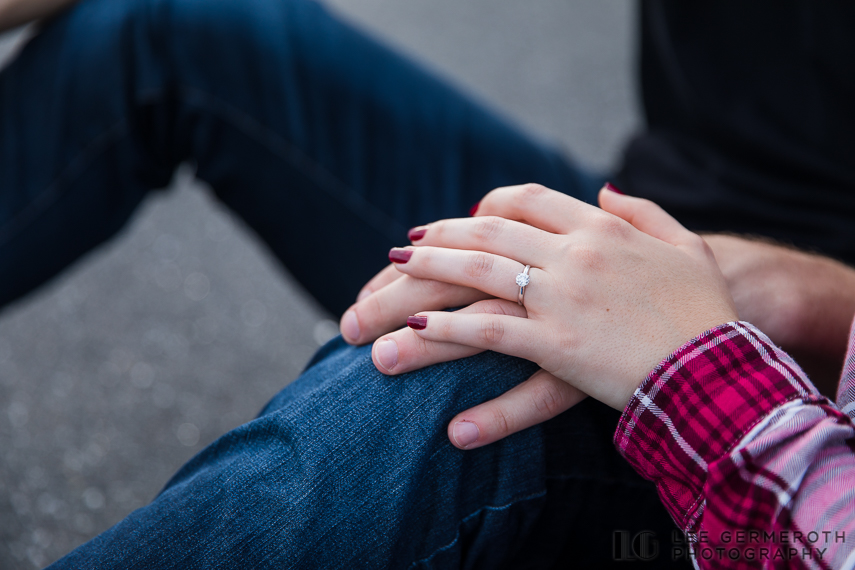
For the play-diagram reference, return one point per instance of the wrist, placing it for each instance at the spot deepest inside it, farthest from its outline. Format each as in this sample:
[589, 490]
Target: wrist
[803, 301]
[699, 403]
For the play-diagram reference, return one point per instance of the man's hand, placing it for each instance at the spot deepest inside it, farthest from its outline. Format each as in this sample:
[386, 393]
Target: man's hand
[14, 13]
[804, 302]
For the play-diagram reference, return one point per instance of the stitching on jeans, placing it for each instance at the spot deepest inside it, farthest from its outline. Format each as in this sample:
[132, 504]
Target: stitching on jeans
[466, 518]
[298, 159]
[526, 498]
[54, 191]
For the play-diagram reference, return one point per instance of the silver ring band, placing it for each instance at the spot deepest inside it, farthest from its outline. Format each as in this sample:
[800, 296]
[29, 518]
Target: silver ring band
[523, 279]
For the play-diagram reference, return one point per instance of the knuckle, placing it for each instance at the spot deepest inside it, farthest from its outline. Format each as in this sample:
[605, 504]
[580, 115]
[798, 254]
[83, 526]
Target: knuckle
[478, 265]
[589, 257]
[423, 348]
[548, 400]
[373, 312]
[488, 228]
[431, 288]
[492, 331]
[501, 421]
[493, 194]
[700, 244]
[497, 307]
[648, 207]
[532, 191]
[437, 229]
[564, 248]
[611, 225]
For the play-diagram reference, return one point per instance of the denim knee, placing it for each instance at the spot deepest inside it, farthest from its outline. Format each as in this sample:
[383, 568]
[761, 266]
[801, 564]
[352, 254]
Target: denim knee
[345, 449]
[347, 468]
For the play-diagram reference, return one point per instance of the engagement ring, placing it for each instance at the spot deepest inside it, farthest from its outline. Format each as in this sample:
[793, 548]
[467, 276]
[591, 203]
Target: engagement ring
[523, 279]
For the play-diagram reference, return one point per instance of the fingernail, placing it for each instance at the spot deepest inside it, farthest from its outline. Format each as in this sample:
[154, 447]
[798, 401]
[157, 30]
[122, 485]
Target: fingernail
[398, 255]
[465, 433]
[363, 294]
[610, 186]
[474, 208]
[350, 326]
[416, 234]
[386, 353]
[417, 323]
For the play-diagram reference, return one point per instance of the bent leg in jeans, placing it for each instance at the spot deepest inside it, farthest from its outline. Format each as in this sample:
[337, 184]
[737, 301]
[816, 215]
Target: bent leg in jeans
[348, 468]
[322, 140]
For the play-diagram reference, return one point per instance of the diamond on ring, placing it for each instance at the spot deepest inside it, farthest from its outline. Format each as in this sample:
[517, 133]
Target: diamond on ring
[522, 280]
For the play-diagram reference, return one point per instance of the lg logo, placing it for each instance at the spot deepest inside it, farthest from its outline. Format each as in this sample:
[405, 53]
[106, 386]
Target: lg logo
[628, 547]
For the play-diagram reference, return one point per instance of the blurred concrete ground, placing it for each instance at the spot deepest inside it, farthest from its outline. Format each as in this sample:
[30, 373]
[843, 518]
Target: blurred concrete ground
[183, 326]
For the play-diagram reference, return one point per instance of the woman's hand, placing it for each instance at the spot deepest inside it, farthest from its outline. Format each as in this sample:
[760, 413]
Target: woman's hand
[607, 301]
[390, 297]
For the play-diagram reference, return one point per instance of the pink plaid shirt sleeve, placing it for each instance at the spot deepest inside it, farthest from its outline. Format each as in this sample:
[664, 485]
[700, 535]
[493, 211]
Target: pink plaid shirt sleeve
[753, 464]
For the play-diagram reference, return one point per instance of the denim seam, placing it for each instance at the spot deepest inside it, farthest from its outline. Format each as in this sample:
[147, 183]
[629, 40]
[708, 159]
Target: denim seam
[512, 503]
[297, 158]
[466, 518]
[54, 191]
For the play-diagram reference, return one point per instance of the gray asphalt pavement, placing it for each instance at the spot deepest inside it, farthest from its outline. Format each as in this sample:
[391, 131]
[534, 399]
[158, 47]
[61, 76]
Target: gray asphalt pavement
[182, 327]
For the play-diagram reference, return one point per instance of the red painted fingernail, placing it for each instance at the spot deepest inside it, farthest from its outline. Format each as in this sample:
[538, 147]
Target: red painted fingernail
[474, 209]
[418, 233]
[398, 255]
[418, 323]
[610, 186]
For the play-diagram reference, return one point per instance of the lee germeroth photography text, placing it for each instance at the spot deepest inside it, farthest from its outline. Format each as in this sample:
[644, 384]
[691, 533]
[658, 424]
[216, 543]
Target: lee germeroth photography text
[726, 545]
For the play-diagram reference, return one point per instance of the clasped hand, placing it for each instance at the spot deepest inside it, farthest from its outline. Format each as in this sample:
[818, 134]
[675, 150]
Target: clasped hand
[613, 291]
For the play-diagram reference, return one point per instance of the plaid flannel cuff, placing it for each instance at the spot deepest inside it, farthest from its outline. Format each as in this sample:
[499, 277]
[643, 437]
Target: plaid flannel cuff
[699, 403]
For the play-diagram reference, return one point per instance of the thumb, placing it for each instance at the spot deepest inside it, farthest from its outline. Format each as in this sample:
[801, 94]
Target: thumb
[644, 215]
[540, 398]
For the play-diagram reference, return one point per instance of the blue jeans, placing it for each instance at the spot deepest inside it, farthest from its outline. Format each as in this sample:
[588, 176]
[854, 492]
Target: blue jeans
[347, 468]
[318, 137]
[321, 140]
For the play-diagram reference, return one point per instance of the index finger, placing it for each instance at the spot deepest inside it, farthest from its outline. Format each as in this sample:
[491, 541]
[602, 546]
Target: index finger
[537, 206]
[492, 234]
